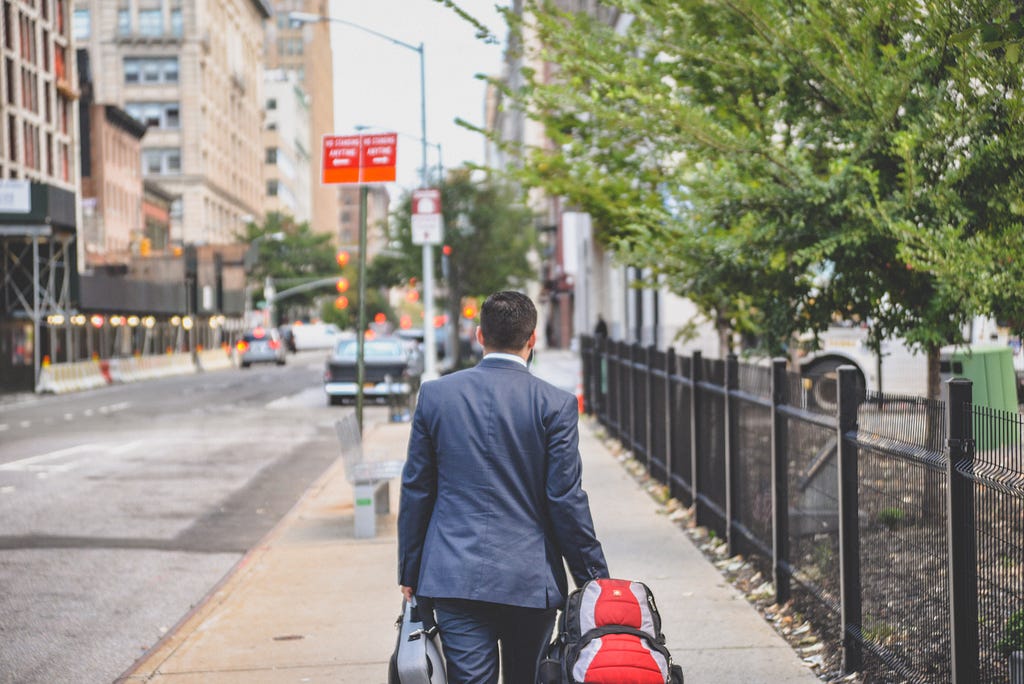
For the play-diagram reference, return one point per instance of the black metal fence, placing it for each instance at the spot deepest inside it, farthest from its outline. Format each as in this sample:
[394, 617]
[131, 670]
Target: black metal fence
[897, 523]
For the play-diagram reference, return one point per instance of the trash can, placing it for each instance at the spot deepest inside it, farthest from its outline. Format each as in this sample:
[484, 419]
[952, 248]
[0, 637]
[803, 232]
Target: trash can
[990, 369]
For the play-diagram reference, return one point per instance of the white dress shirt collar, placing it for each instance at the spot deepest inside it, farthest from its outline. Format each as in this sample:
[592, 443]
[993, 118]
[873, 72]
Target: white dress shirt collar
[507, 357]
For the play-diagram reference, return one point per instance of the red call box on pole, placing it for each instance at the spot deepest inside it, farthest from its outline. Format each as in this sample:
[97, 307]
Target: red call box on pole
[360, 158]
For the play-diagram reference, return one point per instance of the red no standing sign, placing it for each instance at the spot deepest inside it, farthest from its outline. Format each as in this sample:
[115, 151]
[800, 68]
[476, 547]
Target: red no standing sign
[366, 158]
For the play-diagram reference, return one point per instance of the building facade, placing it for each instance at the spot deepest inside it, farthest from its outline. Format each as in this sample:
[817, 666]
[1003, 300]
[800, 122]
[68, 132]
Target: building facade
[39, 180]
[111, 200]
[287, 169]
[305, 50]
[199, 90]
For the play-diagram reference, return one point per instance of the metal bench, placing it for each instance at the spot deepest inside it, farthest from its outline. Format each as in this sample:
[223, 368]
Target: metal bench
[369, 478]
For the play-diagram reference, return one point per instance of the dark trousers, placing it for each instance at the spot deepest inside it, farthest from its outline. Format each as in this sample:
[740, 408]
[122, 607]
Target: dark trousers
[471, 631]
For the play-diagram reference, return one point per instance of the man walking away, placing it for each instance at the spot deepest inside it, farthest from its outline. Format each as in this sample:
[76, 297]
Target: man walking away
[492, 502]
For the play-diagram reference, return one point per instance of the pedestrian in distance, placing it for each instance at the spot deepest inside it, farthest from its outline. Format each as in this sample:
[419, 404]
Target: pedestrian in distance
[492, 501]
[601, 329]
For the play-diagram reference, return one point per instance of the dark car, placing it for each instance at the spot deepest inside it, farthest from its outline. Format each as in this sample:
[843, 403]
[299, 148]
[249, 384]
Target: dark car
[391, 371]
[261, 345]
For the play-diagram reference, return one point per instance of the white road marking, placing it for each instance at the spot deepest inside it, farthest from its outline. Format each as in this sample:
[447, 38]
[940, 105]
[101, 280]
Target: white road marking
[33, 462]
[7, 490]
[25, 423]
[3, 428]
[38, 463]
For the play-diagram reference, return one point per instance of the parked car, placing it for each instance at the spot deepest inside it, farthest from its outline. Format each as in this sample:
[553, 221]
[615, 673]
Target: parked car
[391, 371]
[315, 335]
[261, 345]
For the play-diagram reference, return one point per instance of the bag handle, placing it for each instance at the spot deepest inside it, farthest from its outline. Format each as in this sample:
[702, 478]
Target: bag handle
[422, 610]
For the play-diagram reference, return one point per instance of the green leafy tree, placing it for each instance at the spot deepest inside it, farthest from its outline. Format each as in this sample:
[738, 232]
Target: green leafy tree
[489, 233]
[292, 254]
[780, 164]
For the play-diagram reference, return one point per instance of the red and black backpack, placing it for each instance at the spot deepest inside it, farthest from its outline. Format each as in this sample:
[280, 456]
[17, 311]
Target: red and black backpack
[609, 633]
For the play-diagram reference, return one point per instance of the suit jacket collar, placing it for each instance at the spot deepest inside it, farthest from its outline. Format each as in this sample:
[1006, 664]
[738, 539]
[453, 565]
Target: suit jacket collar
[492, 362]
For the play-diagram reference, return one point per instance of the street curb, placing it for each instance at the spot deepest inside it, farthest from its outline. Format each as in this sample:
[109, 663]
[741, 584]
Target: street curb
[175, 637]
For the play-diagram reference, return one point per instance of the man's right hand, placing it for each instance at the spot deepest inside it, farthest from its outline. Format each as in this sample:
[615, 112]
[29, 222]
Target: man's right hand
[407, 592]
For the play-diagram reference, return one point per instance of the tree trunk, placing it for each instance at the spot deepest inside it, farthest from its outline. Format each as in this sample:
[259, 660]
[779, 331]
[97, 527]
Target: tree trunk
[933, 435]
[724, 336]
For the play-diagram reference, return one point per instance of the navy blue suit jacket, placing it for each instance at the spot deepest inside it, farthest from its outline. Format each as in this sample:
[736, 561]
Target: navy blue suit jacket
[491, 497]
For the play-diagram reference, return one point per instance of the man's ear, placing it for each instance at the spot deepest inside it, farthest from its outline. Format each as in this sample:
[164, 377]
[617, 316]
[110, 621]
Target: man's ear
[532, 342]
[480, 336]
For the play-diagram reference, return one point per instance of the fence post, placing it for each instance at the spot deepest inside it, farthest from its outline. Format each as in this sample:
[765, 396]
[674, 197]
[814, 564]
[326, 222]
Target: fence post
[849, 530]
[670, 414]
[651, 353]
[633, 427]
[780, 482]
[586, 366]
[731, 451]
[617, 401]
[696, 366]
[963, 561]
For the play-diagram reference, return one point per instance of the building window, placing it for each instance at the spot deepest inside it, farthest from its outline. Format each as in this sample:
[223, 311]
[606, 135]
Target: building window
[159, 160]
[271, 104]
[151, 22]
[151, 70]
[124, 22]
[271, 155]
[176, 210]
[157, 114]
[81, 24]
[177, 23]
[272, 188]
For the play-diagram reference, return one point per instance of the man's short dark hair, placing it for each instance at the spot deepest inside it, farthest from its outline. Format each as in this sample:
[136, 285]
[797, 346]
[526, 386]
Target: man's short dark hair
[507, 319]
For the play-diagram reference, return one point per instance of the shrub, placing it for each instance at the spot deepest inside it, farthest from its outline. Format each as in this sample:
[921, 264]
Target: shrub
[1013, 634]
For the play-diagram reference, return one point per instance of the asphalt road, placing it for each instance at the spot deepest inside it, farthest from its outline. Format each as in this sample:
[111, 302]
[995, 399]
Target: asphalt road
[120, 508]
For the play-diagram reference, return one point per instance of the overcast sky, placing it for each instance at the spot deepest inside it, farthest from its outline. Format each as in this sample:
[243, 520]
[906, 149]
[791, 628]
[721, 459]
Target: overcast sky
[377, 83]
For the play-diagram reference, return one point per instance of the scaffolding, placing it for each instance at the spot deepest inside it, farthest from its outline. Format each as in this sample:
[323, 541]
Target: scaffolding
[37, 270]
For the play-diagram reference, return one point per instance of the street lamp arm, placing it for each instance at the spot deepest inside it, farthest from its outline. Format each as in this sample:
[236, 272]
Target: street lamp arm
[305, 287]
[309, 18]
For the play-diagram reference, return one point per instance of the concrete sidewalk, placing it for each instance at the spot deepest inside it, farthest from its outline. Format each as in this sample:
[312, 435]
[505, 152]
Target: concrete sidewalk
[313, 604]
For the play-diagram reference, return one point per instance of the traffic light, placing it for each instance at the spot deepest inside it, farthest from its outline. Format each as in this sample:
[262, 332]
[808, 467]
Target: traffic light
[342, 258]
[341, 302]
[380, 318]
[341, 285]
[446, 250]
[469, 308]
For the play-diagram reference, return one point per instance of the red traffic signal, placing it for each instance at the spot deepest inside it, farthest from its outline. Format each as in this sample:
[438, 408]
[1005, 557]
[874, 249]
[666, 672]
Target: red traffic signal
[341, 285]
[342, 258]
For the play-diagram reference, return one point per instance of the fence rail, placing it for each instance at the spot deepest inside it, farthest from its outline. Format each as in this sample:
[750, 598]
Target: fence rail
[897, 523]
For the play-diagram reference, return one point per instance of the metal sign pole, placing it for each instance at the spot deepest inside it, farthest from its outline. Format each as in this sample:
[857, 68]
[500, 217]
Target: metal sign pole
[364, 190]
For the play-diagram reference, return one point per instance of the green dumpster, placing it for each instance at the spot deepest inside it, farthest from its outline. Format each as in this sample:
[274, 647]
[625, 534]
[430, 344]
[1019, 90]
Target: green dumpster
[990, 369]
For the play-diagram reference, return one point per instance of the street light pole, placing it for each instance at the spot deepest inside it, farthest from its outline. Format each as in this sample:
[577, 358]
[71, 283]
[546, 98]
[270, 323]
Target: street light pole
[430, 343]
[429, 330]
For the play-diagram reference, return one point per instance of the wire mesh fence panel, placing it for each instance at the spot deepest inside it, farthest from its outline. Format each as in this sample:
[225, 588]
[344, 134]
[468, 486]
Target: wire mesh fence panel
[681, 472]
[904, 567]
[755, 379]
[638, 404]
[753, 505]
[615, 390]
[814, 509]
[998, 475]
[711, 448]
[657, 443]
